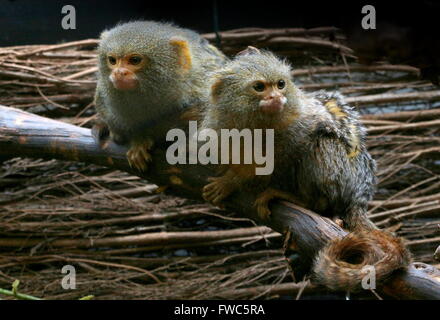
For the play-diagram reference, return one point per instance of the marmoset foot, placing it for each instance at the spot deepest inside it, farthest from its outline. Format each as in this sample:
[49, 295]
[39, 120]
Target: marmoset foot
[263, 199]
[217, 190]
[139, 154]
[100, 132]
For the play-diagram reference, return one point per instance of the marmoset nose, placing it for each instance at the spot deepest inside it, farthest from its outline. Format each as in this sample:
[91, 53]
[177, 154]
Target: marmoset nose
[273, 102]
[273, 95]
[122, 72]
[123, 79]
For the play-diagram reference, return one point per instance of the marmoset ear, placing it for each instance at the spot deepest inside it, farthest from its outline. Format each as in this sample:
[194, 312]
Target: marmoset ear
[183, 52]
[216, 89]
[249, 50]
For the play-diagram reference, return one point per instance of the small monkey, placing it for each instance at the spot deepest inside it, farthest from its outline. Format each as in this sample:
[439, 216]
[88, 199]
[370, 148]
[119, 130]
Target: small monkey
[149, 74]
[251, 92]
[321, 161]
[320, 155]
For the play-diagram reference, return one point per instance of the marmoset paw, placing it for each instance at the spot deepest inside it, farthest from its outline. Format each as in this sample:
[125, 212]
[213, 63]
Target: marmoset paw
[216, 191]
[262, 205]
[100, 132]
[139, 155]
[263, 199]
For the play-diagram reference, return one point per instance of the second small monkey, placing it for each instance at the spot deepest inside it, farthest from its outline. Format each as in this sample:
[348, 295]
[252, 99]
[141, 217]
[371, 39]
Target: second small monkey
[253, 91]
[319, 152]
[321, 162]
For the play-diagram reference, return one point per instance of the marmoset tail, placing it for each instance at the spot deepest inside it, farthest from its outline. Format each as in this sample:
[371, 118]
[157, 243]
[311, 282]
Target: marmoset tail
[321, 161]
[351, 263]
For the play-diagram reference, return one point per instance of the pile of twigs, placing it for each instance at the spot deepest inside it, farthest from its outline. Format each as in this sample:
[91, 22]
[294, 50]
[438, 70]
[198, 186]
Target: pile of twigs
[64, 74]
[129, 240]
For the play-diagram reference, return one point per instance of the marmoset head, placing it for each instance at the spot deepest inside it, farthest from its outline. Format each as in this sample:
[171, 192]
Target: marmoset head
[140, 54]
[255, 81]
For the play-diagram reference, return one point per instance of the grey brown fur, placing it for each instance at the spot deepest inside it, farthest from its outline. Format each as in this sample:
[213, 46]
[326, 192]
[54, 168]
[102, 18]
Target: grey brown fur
[164, 91]
[314, 147]
[234, 104]
[320, 158]
[331, 169]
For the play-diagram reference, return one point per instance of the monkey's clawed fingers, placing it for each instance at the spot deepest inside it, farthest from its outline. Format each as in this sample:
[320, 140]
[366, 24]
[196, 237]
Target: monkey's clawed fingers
[262, 204]
[216, 190]
[100, 132]
[138, 156]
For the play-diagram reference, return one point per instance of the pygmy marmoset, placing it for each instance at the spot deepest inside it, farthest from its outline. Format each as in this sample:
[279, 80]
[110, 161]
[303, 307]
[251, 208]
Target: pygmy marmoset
[149, 73]
[321, 160]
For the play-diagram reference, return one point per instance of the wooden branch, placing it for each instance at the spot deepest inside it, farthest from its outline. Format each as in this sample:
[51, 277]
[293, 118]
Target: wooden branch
[258, 33]
[394, 98]
[27, 135]
[405, 115]
[405, 126]
[355, 68]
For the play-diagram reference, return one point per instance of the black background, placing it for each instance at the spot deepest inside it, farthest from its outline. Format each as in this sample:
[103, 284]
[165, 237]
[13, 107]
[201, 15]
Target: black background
[37, 21]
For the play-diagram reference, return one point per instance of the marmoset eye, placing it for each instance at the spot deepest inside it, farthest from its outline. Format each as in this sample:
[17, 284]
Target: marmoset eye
[112, 60]
[281, 84]
[259, 87]
[135, 60]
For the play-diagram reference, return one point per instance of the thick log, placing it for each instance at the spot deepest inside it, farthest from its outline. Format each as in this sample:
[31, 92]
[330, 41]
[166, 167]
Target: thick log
[27, 135]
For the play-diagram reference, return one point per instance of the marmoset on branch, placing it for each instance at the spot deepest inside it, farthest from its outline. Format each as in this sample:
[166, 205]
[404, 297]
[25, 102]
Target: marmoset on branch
[319, 152]
[149, 73]
[251, 92]
[321, 160]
